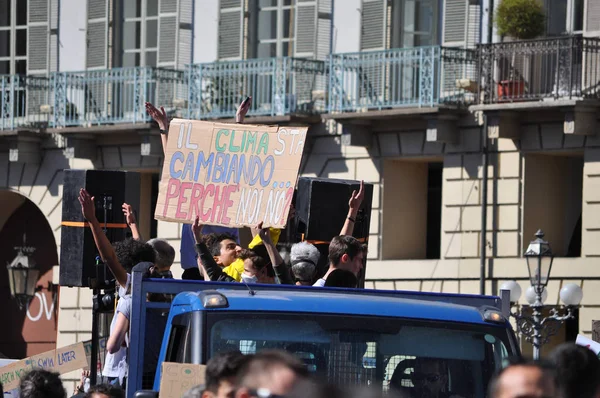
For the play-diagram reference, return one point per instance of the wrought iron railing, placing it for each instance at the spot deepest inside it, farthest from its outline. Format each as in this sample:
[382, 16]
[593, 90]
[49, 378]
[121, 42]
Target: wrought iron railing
[533, 70]
[113, 96]
[23, 102]
[407, 77]
[278, 86]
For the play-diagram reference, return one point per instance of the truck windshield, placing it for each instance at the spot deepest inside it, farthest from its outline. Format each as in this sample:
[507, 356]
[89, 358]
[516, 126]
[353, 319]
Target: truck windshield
[390, 352]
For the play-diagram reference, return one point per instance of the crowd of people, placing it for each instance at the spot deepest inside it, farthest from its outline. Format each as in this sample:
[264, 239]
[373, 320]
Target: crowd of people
[571, 371]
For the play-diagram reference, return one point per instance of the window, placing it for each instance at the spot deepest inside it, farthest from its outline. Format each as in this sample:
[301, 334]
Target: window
[553, 202]
[385, 354]
[274, 28]
[13, 37]
[412, 202]
[414, 23]
[564, 17]
[140, 33]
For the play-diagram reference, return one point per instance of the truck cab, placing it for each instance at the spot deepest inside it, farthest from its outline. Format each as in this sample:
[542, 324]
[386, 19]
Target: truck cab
[347, 336]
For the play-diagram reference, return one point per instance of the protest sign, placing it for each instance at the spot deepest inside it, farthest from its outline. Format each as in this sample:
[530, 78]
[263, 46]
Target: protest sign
[177, 378]
[102, 351]
[588, 343]
[231, 175]
[61, 360]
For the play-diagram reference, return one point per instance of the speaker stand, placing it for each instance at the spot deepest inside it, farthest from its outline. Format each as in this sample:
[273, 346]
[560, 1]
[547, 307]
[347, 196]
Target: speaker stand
[95, 337]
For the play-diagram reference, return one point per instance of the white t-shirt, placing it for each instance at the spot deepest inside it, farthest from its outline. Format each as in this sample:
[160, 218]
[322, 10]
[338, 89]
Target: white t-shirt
[123, 289]
[320, 282]
[115, 365]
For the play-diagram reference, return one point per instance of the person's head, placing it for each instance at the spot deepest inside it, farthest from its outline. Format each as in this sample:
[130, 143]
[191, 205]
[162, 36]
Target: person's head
[430, 376]
[577, 371]
[272, 370]
[165, 253]
[105, 391]
[131, 252]
[346, 252]
[255, 267]
[304, 257]
[221, 373]
[41, 383]
[223, 248]
[341, 278]
[524, 379]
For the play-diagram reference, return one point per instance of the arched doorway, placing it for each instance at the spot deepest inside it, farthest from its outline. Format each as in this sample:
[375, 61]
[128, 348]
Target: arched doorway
[30, 331]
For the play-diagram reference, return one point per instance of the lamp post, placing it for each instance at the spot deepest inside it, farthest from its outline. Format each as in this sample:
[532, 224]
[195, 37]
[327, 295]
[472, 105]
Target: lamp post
[537, 329]
[23, 275]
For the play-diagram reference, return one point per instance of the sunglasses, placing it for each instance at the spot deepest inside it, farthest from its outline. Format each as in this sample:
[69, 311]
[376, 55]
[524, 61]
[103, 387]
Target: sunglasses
[431, 377]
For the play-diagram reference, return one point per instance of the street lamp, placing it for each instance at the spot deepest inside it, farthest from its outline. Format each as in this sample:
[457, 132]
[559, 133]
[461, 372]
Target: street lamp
[23, 275]
[536, 329]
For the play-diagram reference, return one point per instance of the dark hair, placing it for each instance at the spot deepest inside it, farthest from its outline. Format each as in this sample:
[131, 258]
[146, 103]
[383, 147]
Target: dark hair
[341, 245]
[41, 383]
[224, 365]
[106, 389]
[213, 242]
[258, 262]
[131, 252]
[577, 371]
[264, 362]
[341, 278]
[546, 367]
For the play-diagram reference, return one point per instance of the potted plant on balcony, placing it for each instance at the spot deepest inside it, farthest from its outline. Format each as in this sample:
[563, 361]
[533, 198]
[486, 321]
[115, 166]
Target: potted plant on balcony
[518, 20]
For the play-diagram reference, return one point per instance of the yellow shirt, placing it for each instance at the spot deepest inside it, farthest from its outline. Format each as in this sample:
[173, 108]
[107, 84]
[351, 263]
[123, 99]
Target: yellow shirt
[236, 268]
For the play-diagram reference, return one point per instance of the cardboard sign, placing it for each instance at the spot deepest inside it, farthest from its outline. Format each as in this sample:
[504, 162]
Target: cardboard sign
[589, 343]
[177, 378]
[61, 360]
[232, 175]
[102, 351]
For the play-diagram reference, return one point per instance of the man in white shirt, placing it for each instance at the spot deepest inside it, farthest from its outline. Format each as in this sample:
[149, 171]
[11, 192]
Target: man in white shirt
[346, 253]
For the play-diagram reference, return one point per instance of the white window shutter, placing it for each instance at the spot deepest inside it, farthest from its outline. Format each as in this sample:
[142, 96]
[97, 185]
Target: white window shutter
[185, 36]
[97, 34]
[38, 39]
[373, 29]
[455, 23]
[473, 18]
[54, 50]
[592, 18]
[231, 24]
[167, 43]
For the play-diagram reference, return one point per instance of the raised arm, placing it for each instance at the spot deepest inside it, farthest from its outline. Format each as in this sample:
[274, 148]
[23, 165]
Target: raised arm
[107, 252]
[353, 204]
[131, 221]
[279, 266]
[206, 262]
[160, 117]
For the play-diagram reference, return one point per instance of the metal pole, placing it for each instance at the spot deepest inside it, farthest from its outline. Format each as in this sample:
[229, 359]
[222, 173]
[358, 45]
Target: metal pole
[95, 336]
[537, 323]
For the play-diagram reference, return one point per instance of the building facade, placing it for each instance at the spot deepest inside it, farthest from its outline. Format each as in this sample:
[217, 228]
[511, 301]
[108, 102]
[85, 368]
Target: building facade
[409, 95]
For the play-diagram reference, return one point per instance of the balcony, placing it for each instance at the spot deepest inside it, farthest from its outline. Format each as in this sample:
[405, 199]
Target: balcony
[21, 102]
[279, 87]
[88, 98]
[540, 70]
[402, 78]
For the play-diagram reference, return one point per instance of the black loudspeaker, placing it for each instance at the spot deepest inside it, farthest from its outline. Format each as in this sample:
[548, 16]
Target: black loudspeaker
[78, 251]
[322, 208]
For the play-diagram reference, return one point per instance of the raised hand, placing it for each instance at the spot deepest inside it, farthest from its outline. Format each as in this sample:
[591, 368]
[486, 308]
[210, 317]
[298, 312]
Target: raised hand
[88, 208]
[129, 214]
[242, 110]
[264, 233]
[357, 198]
[159, 116]
[197, 229]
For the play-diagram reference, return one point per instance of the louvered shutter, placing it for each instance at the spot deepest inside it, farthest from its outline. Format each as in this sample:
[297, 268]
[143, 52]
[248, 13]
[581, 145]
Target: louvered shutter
[38, 37]
[473, 19]
[305, 28]
[97, 34]
[455, 23]
[592, 18]
[185, 37]
[54, 50]
[373, 29]
[231, 22]
[167, 43]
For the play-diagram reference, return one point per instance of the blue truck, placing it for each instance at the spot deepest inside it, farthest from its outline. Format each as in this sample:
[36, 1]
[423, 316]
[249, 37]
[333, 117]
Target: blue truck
[350, 336]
